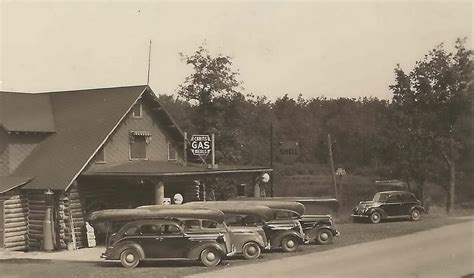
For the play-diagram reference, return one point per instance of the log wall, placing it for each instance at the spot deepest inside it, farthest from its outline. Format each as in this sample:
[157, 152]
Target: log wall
[37, 212]
[15, 220]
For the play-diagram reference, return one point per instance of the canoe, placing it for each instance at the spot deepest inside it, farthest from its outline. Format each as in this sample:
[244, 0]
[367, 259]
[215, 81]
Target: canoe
[263, 212]
[295, 207]
[111, 215]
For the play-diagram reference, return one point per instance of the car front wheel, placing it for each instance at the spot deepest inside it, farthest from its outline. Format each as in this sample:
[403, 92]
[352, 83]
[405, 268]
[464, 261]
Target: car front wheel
[289, 244]
[415, 215]
[129, 258]
[375, 217]
[324, 236]
[251, 251]
[210, 257]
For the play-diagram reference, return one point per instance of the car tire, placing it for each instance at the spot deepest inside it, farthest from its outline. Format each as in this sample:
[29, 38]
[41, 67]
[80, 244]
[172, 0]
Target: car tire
[324, 236]
[289, 244]
[415, 215]
[129, 258]
[375, 217]
[251, 251]
[210, 257]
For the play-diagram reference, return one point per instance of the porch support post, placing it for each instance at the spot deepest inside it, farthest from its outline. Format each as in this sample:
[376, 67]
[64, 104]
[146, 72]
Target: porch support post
[256, 190]
[159, 192]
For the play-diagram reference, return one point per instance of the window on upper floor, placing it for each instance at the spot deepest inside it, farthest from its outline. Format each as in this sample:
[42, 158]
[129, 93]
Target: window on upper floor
[137, 110]
[138, 144]
[172, 155]
[100, 156]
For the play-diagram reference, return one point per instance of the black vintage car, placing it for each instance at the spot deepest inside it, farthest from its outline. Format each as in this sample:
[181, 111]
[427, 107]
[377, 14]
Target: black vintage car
[319, 228]
[389, 205]
[160, 235]
[247, 240]
[283, 230]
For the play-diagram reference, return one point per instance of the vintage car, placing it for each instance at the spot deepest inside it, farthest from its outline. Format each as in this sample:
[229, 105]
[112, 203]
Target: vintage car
[248, 241]
[319, 228]
[162, 235]
[389, 205]
[281, 231]
[316, 228]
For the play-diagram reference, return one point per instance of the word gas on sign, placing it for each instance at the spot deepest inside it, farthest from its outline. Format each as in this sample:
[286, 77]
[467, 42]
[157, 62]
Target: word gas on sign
[200, 144]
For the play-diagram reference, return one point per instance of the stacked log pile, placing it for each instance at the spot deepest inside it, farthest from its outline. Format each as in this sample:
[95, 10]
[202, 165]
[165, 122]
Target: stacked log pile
[61, 221]
[73, 208]
[15, 220]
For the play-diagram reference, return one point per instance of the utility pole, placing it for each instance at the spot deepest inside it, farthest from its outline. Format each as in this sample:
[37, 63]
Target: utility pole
[271, 159]
[332, 166]
[213, 156]
[185, 149]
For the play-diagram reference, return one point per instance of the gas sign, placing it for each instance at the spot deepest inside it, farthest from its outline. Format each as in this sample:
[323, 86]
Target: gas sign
[200, 145]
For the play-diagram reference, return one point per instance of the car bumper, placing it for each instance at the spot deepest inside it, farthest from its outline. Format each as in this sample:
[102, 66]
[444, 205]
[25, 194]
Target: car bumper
[359, 215]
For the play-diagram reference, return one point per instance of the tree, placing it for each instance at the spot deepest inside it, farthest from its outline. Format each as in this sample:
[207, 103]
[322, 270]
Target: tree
[212, 81]
[216, 98]
[429, 103]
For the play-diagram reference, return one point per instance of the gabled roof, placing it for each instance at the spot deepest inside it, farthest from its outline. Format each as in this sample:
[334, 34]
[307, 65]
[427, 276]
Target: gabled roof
[84, 119]
[38, 119]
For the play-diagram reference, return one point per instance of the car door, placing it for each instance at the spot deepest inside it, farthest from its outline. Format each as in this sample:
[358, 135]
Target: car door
[150, 240]
[393, 205]
[408, 201]
[173, 242]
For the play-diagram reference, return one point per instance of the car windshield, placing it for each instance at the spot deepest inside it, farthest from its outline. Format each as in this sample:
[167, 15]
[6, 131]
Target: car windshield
[380, 197]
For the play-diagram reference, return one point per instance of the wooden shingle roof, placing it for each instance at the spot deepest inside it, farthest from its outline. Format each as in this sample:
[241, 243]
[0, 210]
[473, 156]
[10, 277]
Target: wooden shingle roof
[84, 119]
[14, 119]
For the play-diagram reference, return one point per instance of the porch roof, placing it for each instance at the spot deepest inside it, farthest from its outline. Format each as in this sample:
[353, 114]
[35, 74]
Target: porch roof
[164, 168]
[8, 183]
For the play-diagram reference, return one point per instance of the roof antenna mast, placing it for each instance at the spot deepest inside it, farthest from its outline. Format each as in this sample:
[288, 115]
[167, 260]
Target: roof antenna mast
[149, 65]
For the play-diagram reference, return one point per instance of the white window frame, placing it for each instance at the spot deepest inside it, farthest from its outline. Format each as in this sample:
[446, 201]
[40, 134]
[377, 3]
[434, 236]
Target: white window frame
[130, 149]
[141, 111]
[105, 158]
[175, 153]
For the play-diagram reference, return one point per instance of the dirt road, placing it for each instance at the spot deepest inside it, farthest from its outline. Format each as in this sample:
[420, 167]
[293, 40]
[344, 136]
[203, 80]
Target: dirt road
[441, 252]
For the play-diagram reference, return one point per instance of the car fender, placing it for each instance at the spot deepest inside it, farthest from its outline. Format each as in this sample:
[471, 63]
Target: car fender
[239, 239]
[311, 233]
[419, 207]
[256, 241]
[121, 246]
[381, 211]
[275, 241]
[195, 252]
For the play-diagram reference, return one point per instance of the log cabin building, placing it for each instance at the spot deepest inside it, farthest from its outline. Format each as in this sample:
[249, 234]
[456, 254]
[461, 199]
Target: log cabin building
[89, 150]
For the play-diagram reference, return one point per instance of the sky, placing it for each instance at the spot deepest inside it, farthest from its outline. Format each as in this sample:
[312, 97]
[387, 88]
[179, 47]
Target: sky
[314, 48]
